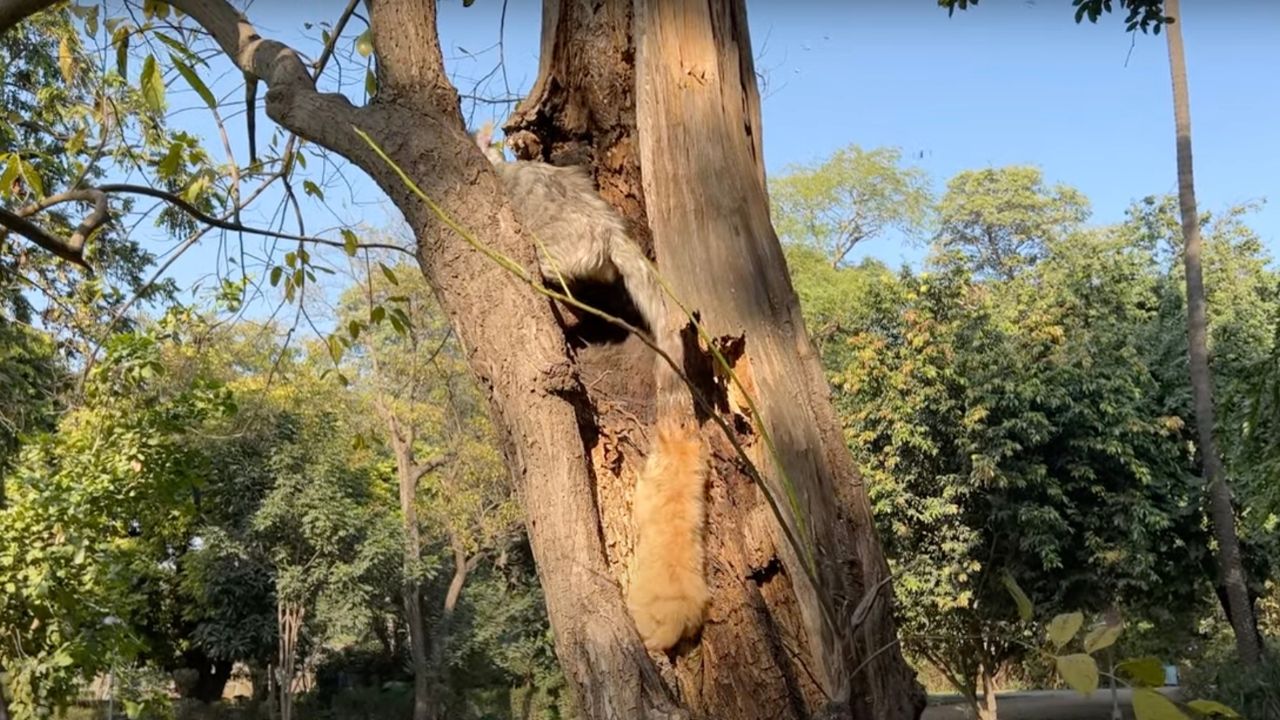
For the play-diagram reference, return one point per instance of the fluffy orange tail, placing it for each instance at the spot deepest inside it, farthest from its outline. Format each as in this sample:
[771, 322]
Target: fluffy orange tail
[668, 593]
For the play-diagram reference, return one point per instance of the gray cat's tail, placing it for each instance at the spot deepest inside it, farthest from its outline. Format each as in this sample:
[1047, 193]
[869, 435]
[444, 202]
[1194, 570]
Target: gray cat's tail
[641, 281]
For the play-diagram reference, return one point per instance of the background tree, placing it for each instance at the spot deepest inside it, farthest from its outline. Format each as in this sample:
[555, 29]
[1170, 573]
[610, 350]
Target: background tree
[853, 196]
[1230, 565]
[419, 385]
[1155, 14]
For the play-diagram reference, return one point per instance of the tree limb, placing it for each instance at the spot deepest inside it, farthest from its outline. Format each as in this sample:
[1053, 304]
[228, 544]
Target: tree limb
[13, 12]
[37, 235]
[421, 469]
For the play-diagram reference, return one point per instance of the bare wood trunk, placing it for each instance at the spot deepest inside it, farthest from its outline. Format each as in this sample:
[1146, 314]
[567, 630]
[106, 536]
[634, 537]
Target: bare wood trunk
[765, 651]
[1230, 567]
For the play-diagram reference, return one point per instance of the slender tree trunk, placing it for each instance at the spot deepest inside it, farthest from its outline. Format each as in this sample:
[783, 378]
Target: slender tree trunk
[4, 704]
[988, 710]
[1230, 567]
[289, 617]
[462, 567]
[412, 587]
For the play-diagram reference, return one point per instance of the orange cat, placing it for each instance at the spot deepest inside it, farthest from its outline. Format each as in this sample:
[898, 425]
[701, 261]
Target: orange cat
[668, 586]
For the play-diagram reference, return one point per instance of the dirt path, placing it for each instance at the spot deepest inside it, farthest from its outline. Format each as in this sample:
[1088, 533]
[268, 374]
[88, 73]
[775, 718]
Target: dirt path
[1040, 705]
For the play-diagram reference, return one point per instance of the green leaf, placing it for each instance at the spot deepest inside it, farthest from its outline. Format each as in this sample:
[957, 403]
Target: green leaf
[1101, 637]
[353, 329]
[11, 172]
[378, 314]
[364, 44]
[120, 39]
[32, 178]
[177, 46]
[312, 189]
[1064, 627]
[391, 276]
[169, 164]
[370, 83]
[1151, 705]
[91, 20]
[350, 243]
[195, 82]
[1079, 671]
[152, 84]
[1147, 671]
[335, 349]
[276, 272]
[1209, 708]
[1025, 609]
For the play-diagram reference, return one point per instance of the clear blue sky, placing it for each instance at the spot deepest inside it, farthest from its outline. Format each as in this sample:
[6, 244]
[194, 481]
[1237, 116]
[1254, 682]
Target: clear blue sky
[1002, 83]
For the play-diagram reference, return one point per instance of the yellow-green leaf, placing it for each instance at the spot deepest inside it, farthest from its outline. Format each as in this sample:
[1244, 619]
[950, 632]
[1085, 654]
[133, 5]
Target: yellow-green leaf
[11, 172]
[370, 83]
[66, 62]
[172, 161]
[152, 84]
[91, 20]
[1151, 705]
[1143, 671]
[120, 39]
[364, 44]
[312, 189]
[194, 81]
[1025, 608]
[1064, 627]
[349, 242]
[1079, 671]
[391, 276]
[1103, 636]
[1209, 708]
[32, 178]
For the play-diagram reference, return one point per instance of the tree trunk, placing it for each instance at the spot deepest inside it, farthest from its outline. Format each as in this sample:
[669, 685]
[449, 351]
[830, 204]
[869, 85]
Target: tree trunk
[289, 617]
[767, 651]
[462, 567]
[1230, 567]
[412, 588]
[775, 645]
[4, 704]
[988, 710]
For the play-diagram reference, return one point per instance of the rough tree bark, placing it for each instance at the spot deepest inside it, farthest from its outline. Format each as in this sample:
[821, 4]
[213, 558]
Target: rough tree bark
[1231, 573]
[770, 647]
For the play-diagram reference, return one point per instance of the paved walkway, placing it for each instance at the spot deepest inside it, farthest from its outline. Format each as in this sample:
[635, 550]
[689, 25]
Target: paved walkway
[1040, 705]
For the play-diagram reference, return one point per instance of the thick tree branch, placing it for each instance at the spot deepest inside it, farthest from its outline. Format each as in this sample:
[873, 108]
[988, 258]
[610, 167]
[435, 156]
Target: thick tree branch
[421, 469]
[37, 235]
[292, 99]
[13, 12]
